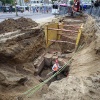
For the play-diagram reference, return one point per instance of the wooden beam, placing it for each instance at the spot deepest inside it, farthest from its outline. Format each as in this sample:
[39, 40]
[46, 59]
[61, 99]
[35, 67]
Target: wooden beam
[67, 34]
[70, 26]
[72, 31]
[62, 41]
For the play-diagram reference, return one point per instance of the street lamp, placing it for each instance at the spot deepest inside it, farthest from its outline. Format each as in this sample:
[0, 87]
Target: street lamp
[16, 8]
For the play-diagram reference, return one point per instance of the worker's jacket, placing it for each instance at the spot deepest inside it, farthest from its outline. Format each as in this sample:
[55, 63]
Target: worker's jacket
[55, 67]
[76, 6]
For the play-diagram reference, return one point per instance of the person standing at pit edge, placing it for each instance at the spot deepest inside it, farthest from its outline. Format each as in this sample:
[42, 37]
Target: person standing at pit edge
[56, 67]
[76, 6]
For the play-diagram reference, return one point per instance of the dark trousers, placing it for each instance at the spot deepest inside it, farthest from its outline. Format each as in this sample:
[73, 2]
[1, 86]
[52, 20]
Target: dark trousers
[54, 73]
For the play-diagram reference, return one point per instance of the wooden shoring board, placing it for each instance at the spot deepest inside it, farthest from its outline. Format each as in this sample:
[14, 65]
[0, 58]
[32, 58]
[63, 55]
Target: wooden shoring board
[72, 31]
[74, 26]
[78, 37]
[54, 31]
[50, 34]
[62, 41]
[67, 35]
[69, 38]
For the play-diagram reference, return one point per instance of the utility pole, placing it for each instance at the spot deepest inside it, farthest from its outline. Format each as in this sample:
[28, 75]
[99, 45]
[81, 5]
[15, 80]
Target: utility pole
[15, 7]
[30, 6]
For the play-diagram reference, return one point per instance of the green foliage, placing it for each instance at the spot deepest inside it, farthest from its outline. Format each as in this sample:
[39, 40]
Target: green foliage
[7, 1]
[53, 1]
[10, 1]
[71, 2]
[3, 1]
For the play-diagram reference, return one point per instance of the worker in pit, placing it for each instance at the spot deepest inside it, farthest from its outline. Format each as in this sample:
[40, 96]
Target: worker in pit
[56, 67]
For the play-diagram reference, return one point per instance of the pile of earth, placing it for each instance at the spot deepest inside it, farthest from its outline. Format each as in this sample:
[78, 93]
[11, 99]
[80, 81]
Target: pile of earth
[22, 24]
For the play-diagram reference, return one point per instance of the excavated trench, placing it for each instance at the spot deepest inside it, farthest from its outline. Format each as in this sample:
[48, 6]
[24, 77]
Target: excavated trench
[62, 51]
[44, 65]
[84, 76]
[25, 61]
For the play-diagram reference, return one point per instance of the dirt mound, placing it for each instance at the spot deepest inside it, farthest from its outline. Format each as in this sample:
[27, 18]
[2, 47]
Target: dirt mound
[8, 26]
[73, 88]
[25, 23]
[22, 24]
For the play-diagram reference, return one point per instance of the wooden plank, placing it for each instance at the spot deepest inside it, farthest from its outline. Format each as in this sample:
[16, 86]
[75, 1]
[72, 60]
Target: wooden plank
[62, 30]
[71, 26]
[78, 37]
[65, 35]
[48, 33]
[60, 27]
[62, 41]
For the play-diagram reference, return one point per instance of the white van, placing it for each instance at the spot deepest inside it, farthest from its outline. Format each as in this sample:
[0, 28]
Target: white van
[55, 9]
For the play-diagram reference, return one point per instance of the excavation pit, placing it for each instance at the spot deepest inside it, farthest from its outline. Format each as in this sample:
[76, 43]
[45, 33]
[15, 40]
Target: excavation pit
[17, 60]
[44, 70]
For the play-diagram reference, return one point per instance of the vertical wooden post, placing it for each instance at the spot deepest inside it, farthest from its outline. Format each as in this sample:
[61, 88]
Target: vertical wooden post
[46, 34]
[78, 37]
[59, 27]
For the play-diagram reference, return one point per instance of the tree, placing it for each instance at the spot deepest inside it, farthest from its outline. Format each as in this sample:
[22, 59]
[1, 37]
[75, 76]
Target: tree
[3, 1]
[7, 1]
[53, 1]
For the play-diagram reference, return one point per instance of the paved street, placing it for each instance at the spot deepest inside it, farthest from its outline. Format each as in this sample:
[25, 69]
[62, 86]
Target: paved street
[34, 16]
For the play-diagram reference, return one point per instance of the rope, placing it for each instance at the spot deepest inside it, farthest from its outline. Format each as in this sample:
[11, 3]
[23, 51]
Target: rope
[37, 87]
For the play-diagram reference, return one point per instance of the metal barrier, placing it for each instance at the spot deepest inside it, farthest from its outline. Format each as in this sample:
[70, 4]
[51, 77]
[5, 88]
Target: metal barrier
[94, 11]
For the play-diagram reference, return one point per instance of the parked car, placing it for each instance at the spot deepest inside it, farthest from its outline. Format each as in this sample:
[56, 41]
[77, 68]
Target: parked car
[20, 9]
[5, 8]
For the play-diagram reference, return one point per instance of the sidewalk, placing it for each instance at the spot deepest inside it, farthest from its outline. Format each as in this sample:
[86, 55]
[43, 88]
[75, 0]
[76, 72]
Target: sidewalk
[38, 17]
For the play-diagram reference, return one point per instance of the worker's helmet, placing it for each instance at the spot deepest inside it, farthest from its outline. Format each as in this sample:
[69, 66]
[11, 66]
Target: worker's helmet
[56, 61]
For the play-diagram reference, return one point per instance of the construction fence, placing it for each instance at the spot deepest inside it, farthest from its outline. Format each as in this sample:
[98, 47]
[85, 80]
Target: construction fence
[94, 11]
[42, 9]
